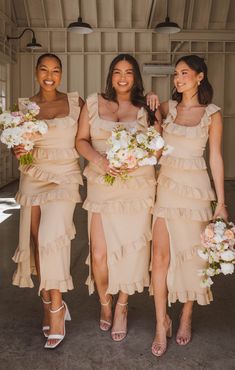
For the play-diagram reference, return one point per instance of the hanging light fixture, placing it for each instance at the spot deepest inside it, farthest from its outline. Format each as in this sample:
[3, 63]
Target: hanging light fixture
[167, 26]
[80, 26]
[31, 45]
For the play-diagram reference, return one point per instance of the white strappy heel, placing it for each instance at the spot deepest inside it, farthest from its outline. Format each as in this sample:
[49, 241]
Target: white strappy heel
[45, 327]
[104, 324]
[123, 332]
[58, 337]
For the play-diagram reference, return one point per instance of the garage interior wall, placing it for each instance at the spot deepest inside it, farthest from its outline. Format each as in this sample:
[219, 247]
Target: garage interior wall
[86, 59]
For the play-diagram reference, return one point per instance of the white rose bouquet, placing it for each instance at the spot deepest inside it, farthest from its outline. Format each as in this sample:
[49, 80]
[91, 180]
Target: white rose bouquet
[218, 240]
[22, 128]
[128, 149]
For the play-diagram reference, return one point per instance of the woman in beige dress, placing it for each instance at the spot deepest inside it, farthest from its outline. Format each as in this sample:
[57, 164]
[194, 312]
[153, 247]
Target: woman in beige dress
[48, 193]
[184, 195]
[119, 216]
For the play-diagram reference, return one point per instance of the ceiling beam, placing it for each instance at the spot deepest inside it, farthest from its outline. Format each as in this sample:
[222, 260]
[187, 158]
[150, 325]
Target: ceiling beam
[113, 7]
[190, 14]
[226, 7]
[150, 14]
[96, 14]
[26, 8]
[13, 12]
[61, 13]
[207, 12]
[44, 13]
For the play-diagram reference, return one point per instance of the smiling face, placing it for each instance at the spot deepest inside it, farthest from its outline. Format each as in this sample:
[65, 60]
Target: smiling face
[123, 77]
[185, 78]
[49, 74]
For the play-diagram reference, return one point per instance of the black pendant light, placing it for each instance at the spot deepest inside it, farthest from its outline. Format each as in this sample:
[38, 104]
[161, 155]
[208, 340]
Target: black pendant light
[167, 26]
[80, 27]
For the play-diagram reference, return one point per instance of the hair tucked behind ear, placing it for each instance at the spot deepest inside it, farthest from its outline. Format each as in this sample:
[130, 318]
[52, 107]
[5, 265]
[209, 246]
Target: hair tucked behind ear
[205, 90]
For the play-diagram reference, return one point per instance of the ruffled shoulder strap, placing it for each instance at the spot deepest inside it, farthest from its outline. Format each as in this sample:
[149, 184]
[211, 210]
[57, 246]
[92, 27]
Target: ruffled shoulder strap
[21, 101]
[172, 104]
[74, 108]
[92, 107]
[142, 117]
[209, 111]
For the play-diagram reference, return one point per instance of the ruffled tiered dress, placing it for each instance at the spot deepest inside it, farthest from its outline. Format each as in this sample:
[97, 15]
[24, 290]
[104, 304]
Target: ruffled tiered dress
[125, 209]
[184, 196]
[51, 182]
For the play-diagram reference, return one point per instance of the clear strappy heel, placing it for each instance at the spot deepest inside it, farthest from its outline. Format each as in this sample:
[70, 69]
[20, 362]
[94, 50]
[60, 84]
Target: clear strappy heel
[122, 333]
[159, 348]
[104, 324]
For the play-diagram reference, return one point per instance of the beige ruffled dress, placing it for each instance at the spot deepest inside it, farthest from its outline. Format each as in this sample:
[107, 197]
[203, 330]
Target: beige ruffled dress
[51, 182]
[125, 209]
[184, 196]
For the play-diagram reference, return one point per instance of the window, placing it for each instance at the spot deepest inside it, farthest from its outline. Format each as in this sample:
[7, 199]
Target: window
[3, 86]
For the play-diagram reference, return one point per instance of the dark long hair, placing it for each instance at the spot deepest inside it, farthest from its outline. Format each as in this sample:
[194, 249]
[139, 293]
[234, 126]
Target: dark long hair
[48, 55]
[205, 90]
[137, 92]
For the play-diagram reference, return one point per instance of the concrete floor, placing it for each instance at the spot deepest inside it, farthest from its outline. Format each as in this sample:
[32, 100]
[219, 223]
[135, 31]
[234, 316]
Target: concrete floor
[85, 346]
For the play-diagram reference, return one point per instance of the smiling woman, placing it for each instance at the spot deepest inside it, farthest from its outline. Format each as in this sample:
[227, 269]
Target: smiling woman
[49, 188]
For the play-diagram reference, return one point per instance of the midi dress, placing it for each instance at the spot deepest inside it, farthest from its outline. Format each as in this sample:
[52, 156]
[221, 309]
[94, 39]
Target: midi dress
[184, 196]
[52, 183]
[125, 209]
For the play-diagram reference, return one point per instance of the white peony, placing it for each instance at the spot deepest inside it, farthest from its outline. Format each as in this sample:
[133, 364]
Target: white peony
[202, 254]
[141, 138]
[227, 255]
[168, 149]
[148, 161]
[227, 268]
[206, 283]
[156, 143]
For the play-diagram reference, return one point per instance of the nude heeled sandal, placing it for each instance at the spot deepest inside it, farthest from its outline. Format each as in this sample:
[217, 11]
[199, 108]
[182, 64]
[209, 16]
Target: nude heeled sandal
[45, 327]
[58, 337]
[123, 332]
[104, 324]
[159, 348]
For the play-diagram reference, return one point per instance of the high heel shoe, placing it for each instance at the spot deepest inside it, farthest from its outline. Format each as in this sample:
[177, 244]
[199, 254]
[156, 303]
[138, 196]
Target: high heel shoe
[104, 324]
[45, 327]
[159, 348]
[123, 333]
[186, 336]
[58, 337]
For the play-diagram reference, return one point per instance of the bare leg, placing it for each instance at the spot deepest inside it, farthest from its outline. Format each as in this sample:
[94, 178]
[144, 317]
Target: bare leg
[100, 268]
[119, 329]
[35, 221]
[161, 259]
[183, 336]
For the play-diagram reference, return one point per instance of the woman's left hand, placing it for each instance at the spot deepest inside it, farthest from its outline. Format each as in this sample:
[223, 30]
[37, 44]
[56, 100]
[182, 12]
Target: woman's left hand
[152, 101]
[220, 212]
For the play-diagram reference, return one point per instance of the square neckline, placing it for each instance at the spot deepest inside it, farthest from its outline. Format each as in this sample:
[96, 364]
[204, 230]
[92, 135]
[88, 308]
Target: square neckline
[51, 119]
[114, 122]
[178, 124]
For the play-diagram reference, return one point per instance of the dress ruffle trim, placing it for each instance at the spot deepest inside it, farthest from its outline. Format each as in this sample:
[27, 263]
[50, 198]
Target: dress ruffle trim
[199, 130]
[129, 248]
[60, 242]
[203, 214]
[185, 190]
[41, 198]
[186, 255]
[22, 281]
[42, 175]
[129, 289]
[93, 112]
[183, 297]
[54, 154]
[121, 206]
[183, 163]
[133, 182]
[62, 285]
[21, 255]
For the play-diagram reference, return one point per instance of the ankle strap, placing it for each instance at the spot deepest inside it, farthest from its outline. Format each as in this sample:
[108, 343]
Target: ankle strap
[105, 304]
[122, 304]
[58, 309]
[45, 302]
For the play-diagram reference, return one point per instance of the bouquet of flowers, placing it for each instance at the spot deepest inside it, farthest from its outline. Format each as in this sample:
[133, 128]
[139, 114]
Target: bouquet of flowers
[128, 149]
[22, 127]
[218, 240]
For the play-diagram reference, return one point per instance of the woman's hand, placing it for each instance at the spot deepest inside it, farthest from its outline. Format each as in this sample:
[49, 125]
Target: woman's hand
[152, 101]
[220, 212]
[107, 168]
[19, 150]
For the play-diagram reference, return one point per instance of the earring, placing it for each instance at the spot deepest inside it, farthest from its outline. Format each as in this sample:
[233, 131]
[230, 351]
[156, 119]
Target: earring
[198, 83]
